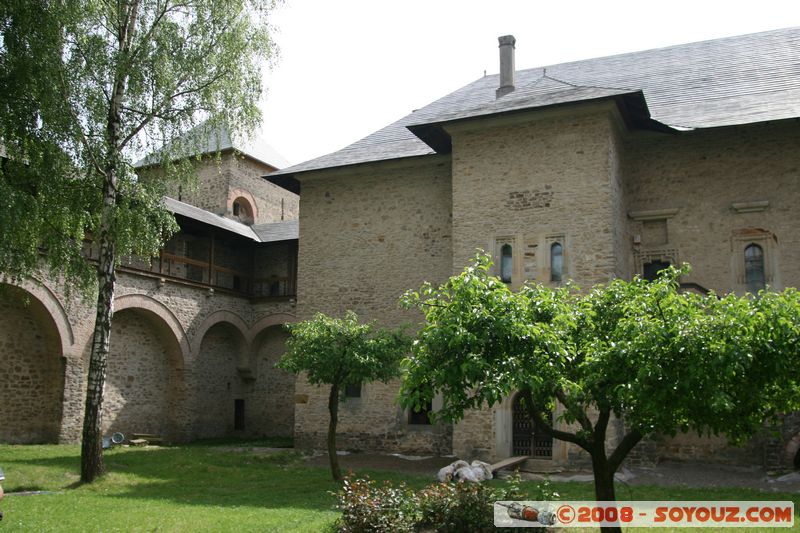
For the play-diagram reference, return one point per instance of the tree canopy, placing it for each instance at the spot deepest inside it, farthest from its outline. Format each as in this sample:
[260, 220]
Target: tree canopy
[85, 88]
[661, 360]
[89, 87]
[342, 351]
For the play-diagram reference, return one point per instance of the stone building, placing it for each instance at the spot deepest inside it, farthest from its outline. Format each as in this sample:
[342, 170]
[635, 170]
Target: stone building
[196, 331]
[587, 171]
[590, 170]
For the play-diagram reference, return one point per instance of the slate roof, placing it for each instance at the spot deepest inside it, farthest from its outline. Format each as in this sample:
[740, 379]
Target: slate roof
[211, 141]
[722, 82]
[278, 231]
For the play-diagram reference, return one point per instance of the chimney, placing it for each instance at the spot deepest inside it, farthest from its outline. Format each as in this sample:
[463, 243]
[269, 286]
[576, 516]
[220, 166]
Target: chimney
[507, 43]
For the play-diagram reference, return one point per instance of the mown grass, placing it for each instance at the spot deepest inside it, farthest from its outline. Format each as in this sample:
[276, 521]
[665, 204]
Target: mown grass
[210, 487]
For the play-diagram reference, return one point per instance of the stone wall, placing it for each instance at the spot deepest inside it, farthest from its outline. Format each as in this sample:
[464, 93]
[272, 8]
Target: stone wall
[371, 235]
[701, 175]
[221, 180]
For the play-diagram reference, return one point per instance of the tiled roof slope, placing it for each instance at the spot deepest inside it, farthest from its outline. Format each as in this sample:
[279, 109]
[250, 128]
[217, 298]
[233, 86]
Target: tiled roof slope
[286, 230]
[723, 82]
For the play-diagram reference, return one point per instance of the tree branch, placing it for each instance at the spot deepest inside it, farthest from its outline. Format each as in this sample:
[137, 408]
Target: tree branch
[623, 448]
[579, 415]
[555, 433]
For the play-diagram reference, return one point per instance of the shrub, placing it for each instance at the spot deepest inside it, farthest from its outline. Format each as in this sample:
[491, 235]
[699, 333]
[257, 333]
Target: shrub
[371, 508]
[442, 507]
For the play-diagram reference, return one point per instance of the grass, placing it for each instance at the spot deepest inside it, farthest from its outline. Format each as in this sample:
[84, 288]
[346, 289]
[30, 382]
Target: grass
[210, 487]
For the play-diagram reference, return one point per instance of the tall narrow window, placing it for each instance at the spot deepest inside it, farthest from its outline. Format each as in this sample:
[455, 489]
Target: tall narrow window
[506, 267]
[754, 268]
[556, 261]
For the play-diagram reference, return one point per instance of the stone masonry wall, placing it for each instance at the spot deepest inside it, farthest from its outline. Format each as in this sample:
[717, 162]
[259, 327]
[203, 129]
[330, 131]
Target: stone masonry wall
[702, 174]
[370, 235]
[220, 181]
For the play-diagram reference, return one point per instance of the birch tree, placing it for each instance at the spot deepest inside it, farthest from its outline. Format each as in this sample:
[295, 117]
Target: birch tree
[87, 87]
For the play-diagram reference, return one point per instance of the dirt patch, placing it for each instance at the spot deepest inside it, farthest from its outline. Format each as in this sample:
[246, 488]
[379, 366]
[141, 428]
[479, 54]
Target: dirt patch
[393, 463]
[668, 473]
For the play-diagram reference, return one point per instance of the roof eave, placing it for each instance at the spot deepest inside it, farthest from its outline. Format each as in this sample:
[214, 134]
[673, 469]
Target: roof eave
[632, 106]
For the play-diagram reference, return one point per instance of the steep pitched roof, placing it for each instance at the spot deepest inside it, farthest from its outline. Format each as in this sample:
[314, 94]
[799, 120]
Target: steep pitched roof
[722, 82]
[206, 140]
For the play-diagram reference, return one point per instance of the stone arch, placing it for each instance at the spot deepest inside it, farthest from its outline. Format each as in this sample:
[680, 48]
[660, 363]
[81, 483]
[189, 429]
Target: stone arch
[223, 379]
[272, 394]
[34, 335]
[218, 317]
[55, 309]
[158, 310]
[145, 389]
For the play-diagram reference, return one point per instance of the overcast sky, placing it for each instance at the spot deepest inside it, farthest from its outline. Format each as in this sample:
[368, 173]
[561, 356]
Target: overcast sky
[349, 67]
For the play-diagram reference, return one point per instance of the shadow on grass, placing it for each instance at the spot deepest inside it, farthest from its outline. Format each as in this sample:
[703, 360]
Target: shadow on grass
[188, 475]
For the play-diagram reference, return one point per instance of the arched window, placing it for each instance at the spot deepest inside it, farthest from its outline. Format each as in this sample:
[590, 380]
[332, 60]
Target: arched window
[556, 261]
[506, 267]
[754, 268]
[241, 210]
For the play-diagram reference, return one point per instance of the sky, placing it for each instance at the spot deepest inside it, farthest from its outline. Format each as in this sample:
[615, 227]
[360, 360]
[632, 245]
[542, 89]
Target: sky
[349, 67]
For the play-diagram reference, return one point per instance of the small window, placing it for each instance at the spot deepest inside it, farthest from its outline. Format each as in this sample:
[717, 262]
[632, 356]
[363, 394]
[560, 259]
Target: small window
[650, 270]
[420, 418]
[506, 267]
[754, 268]
[352, 390]
[556, 261]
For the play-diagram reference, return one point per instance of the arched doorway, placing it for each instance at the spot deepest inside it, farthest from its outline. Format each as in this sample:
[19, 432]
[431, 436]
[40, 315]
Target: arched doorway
[527, 438]
[31, 370]
[222, 389]
[144, 388]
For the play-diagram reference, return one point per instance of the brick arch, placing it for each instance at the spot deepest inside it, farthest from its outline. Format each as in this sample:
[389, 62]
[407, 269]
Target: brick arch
[51, 303]
[218, 317]
[236, 193]
[159, 310]
[277, 319]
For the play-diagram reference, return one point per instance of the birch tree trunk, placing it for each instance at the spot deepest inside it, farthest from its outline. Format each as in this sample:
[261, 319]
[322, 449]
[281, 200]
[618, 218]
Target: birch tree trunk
[92, 464]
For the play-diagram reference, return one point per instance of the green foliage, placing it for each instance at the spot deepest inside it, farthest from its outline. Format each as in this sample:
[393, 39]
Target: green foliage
[369, 507]
[86, 88]
[338, 351]
[663, 360]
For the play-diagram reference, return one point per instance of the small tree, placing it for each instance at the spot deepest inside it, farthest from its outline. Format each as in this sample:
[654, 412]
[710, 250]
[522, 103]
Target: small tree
[339, 352]
[660, 360]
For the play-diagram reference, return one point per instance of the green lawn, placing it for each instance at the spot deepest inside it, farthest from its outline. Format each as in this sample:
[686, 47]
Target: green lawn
[204, 488]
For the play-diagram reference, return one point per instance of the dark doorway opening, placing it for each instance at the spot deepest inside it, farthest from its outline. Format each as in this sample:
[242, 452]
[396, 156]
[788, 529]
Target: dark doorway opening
[238, 415]
[797, 460]
[527, 437]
